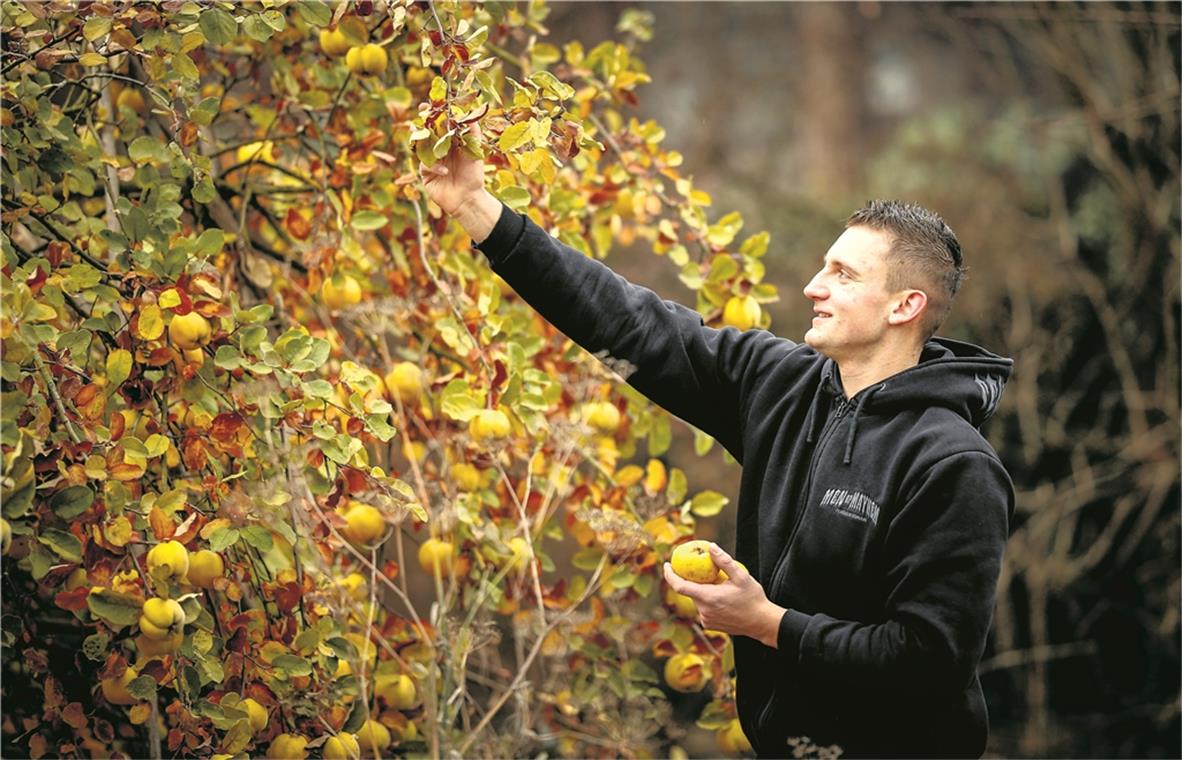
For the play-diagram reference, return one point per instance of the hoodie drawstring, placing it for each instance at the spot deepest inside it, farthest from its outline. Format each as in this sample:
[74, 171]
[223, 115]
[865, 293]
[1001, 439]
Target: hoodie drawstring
[849, 443]
[810, 420]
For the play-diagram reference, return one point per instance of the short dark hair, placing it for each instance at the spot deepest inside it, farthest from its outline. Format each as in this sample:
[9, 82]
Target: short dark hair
[924, 254]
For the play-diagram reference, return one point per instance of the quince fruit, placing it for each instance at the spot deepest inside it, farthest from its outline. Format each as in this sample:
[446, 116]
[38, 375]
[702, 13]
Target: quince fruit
[364, 524]
[256, 713]
[405, 382]
[398, 690]
[333, 42]
[489, 424]
[373, 737]
[189, 331]
[435, 556]
[741, 312]
[603, 416]
[347, 294]
[693, 562]
[686, 672]
[343, 746]
[204, 566]
[465, 476]
[731, 739]
[288, 747]
[366, 60]
[115, 689]
[133, 99]
[172, 555]
[162, 618]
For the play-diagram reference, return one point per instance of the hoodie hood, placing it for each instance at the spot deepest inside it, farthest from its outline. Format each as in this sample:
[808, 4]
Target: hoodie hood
[958, 376]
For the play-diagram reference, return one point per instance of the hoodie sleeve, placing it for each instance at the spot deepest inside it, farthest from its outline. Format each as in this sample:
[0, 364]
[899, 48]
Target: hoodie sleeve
[943, 555]
[663, 349]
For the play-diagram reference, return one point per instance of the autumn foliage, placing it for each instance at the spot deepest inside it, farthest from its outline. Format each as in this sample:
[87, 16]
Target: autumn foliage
[286, 469]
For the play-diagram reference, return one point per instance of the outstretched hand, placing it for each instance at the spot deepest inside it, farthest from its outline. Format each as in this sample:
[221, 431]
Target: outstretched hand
[737, 606]
[457, 179]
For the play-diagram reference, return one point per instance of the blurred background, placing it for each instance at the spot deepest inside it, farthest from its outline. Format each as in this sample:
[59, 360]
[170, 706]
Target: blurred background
[1047, 135]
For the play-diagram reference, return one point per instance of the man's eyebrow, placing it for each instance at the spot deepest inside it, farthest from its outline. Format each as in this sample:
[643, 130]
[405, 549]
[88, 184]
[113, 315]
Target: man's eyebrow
[828, 261]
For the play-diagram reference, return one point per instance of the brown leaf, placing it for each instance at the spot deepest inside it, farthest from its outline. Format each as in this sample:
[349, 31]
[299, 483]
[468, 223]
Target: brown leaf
[297, 225]
[188, 134]
[72, 600]
[225, 426]
[162, 525]
[74, 716]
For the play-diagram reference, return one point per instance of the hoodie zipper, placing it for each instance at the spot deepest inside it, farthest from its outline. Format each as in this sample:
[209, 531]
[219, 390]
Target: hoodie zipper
[830, 425]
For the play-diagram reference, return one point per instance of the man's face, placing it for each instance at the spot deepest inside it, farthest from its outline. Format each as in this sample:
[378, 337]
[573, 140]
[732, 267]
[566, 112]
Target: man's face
[851, 303]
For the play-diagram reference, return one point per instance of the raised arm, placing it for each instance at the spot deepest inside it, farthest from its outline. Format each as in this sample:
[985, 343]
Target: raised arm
[696, 372]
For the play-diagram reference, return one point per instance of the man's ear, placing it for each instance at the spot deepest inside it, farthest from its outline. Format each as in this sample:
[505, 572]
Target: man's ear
[909, 305]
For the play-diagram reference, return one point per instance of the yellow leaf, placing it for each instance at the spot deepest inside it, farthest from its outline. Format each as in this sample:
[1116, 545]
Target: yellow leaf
[629, 476]
[118, 367]
[117, 531]
[169, 299]
[655, 477]
[192, 40]
[92, 60]
[95, 468]
[139, 714]
[514, 137]
[156, 445]
[534, 160]
[214, 525]
[42, 312]
[150, 325]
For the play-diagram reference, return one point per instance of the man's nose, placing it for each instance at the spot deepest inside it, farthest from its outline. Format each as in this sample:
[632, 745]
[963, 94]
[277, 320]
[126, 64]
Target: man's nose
[815, 290]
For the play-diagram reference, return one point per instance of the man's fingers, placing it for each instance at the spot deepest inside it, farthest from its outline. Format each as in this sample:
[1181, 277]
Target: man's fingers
[723, 560]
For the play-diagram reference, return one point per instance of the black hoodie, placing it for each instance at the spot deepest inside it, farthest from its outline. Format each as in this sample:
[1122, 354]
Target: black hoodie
[878, 521]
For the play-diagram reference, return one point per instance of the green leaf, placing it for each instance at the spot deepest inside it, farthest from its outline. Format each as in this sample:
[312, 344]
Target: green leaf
[660, 436]
[702, 443]
[143, 688]
[257, 29]
[71, 502]
[756, 245]
[65, 545]
[205, 111]
[95, 27]
[203, 190]
[365, 221]
[315, 12]
[514, 197]
[115, 608]
[587, 559]
[95, 645]
[223, 538]
[183, 65]
[708, 503]
[227, 357]
[552, 85]
[274, 19]
[460, 402]
[144, 149]
[210, 242]
[381, 429]
[218, 26]
[77, 342]
[258, 537]
[318, 389]
[293, 665]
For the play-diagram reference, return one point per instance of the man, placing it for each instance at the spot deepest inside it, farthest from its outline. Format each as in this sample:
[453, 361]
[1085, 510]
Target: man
[872, 513]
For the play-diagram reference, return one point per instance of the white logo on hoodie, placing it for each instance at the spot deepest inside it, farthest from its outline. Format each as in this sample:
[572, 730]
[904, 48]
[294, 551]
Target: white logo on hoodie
[853, 504]
[990, 388]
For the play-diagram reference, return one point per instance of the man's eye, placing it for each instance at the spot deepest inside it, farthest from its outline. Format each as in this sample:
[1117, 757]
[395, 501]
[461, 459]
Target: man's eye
[843, 274]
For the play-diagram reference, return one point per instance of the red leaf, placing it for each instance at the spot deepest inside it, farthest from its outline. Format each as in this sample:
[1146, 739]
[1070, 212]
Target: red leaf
[225, 426]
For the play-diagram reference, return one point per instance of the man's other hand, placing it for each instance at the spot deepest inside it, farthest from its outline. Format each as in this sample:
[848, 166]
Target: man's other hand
[737, 606]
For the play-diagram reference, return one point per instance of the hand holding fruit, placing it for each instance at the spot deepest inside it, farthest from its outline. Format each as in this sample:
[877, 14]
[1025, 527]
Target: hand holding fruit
[736, 605]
